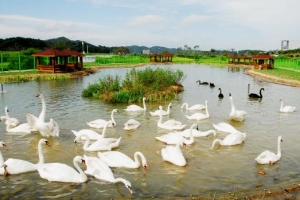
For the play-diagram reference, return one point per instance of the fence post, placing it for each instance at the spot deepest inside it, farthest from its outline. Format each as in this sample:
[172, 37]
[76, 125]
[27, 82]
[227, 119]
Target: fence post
[19, 62]
[2, 63]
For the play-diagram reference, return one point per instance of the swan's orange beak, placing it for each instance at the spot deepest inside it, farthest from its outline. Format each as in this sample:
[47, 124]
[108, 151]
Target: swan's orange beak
[48, 144]
[144, 168]
[83, 162]
[4, 146]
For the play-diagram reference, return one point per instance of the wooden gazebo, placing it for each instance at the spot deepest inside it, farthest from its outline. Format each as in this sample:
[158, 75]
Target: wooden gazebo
[257, 61]
[53, 60]
[164, 57]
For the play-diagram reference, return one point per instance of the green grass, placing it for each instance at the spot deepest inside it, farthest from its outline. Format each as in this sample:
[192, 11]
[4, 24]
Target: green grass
[282, 73]
[154, 84]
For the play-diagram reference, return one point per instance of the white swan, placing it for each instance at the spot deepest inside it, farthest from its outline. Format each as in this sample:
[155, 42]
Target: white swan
[175, 138]
[3, 167]
[286, 109]
[13, 121]
[134, 108]
[231, 139]
[23, 129]
[100, 123]
[18, 166]
[196, 132]
[225, 127]
[236, 115]
[199, 116]
[173, 154]
[157, 112]
[131, 124]
[46, 129]
[170, 124]
[101, 144]
[268, 157]
[93, 135]
[100, 170]
[118, 159]
[193, 107]
[60, 172]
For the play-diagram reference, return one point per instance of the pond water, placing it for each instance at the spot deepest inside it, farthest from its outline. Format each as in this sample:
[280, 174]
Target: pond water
[208, 171]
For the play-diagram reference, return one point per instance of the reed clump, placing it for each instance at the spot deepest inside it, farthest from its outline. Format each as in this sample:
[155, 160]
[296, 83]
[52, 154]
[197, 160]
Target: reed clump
[155, 84]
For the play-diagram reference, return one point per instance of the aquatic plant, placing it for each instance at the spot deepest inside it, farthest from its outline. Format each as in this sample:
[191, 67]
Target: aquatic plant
[156, 84]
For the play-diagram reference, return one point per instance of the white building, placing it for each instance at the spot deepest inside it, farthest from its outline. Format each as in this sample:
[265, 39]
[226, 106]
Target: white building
[290, 44]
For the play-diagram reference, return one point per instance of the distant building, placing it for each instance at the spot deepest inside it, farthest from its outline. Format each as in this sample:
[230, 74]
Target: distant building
[146, 51]
[290, 44]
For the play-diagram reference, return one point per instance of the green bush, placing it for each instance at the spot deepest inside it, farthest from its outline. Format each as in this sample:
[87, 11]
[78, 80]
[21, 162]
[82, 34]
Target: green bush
[156, 83]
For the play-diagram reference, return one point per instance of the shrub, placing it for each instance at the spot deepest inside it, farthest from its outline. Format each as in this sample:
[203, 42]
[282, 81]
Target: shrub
[158, 84]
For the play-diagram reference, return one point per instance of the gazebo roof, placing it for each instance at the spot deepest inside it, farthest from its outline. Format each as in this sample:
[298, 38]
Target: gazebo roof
[263, 57]
[55, 53]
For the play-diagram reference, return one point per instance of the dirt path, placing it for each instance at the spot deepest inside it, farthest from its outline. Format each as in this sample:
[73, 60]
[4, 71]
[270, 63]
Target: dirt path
[273, 79]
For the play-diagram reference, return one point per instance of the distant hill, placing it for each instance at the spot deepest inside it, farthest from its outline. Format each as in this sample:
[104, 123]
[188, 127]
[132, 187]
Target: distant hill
[154, 49]
[20, 43]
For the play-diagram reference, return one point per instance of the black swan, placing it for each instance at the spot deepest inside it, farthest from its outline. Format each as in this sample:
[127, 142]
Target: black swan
[253, 95]
[211, 85]
[220, 94]
[202, 83]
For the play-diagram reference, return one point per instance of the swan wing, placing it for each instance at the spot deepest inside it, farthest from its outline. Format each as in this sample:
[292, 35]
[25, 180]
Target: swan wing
[288, 109]
[225, 127]
[93, 135]
[173, 155]
[131, 124]
[170, 138]
[197, 107]
[98, 168]
[267, 157]
[234, 138]
[134, 108]
[31, 120]
[54, 128]
[58, 172]
[117, 159]
[197, 116]
[17, 166]
[22, 128]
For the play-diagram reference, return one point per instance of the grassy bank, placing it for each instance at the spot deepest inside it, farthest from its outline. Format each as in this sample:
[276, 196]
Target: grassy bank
[282, 73]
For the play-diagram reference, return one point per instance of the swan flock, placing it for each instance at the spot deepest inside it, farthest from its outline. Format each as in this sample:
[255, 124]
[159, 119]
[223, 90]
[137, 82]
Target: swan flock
[109, 150]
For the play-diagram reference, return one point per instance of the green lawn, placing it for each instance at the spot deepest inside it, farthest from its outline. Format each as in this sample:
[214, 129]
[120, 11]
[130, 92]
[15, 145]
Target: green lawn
[282, 73]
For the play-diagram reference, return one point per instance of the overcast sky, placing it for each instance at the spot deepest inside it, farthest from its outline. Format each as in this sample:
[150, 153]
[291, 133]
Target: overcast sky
[211, 24]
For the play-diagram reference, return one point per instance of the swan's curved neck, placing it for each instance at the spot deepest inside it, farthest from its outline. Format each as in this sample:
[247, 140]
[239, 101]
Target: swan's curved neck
[279, 148]
[169, 107]
[43, 112]
[207, 114]
[112, 117]
[104, 130]
[232, 104]
[215, 142]
[136, 159]
[6, 113]
[41, 155]
[87, 141]
[1, 160]
[281, 105]
[82, 174]
[144, 104]
[260, 92]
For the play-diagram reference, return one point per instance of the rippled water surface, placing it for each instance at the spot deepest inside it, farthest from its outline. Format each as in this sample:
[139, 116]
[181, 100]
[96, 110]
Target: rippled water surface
[219, 170]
